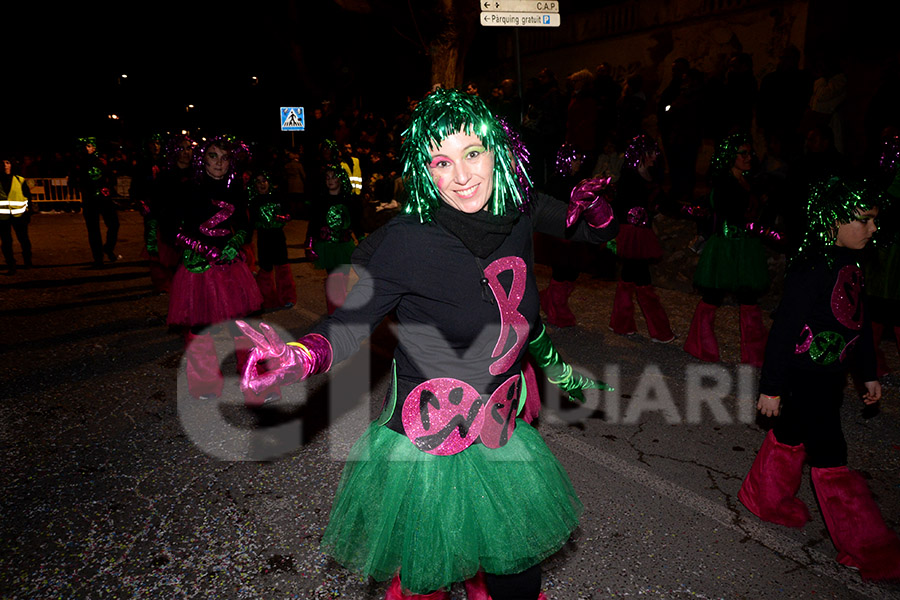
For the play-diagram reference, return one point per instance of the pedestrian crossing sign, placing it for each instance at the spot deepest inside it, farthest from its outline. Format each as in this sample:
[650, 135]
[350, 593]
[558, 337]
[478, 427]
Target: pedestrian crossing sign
[292, 118]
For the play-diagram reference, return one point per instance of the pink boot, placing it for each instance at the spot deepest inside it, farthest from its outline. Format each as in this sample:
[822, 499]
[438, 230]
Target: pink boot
[770, 488]
[858, 530]
[335, 290]
[701, 341]
[395, 591]
[266, 283]
[621, 320]
[205, 379]
[654, 314]
[284, 282]
[753, 335]
[555, 302]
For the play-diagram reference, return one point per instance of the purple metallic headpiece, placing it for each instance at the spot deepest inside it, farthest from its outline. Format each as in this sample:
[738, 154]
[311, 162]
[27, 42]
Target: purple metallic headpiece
[638, 148]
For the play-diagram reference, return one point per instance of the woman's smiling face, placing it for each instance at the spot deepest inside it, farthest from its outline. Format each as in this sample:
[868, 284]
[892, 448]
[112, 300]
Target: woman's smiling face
[463, 172]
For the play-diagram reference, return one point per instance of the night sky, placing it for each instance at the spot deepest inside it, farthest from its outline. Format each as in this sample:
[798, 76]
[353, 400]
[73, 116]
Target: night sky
[70, 61]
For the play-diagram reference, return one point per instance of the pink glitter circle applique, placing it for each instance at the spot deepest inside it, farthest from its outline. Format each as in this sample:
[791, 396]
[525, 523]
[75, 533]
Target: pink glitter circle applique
[443, 416]
[807, 340]
[500, 414]
[848, 348]
[846, 297]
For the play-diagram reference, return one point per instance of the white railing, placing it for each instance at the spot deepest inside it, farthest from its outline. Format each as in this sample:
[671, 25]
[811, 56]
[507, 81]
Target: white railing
[49, 191]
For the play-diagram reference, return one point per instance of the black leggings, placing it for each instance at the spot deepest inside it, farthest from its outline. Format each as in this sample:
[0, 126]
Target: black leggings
[519, 586]
[811, 415]
[716, 297]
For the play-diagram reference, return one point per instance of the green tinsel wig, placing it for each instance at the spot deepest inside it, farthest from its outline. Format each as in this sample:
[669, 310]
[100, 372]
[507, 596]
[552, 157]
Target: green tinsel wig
[726, 153]
[831, 202]
[439, 115]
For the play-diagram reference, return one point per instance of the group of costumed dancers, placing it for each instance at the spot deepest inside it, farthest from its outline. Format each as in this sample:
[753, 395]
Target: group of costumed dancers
[200, 220]
[455, 271]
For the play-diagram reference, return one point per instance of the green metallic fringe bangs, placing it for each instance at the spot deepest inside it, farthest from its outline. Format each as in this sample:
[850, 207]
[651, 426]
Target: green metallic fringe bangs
[439, 115]
[831, 202]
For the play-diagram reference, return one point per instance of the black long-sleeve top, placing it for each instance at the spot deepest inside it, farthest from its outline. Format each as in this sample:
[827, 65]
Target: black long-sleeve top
[459, 316]
[212, 206]
[821, 324]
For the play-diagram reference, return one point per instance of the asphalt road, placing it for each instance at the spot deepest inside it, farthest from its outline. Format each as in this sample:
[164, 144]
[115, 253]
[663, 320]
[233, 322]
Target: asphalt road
[117, 485]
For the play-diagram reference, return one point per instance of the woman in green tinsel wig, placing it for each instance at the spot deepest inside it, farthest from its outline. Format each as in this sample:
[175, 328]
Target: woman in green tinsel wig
[450, 483]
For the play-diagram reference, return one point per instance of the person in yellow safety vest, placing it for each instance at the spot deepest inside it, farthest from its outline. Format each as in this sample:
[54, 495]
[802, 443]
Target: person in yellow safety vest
[354, 172]
[15, 214]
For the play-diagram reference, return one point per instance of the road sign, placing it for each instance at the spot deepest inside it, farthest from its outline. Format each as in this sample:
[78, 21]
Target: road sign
[519, 6]
[519, 19]
[292, 118]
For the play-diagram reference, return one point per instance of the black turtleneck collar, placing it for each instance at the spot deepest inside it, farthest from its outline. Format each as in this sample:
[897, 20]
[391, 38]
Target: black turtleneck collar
[482, 232]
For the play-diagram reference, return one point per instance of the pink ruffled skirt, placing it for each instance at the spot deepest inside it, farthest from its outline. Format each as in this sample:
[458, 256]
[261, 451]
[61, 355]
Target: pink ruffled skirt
[221, 293]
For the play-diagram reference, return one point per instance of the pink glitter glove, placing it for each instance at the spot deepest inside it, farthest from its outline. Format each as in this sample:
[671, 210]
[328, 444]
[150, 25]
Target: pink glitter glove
[588, 200]
[282, 364]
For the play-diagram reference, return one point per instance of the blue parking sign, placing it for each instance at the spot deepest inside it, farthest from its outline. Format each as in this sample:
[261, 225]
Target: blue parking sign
[292, 118]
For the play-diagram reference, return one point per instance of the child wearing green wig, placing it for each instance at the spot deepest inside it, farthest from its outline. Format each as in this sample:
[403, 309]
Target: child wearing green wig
[821, 330]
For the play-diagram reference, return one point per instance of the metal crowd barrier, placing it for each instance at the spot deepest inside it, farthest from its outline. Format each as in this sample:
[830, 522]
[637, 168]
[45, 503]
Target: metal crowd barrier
[55, 193]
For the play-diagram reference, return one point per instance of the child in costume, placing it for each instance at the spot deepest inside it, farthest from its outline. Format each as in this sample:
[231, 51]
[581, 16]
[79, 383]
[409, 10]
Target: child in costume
[821, 328]
[563, 254]
[733, 260]
[637, 197]
[447, 484]
[333, 230]
[213, 284]
[269, 215]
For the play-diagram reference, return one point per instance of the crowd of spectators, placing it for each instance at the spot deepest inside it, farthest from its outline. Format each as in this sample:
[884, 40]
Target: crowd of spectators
[794, 114]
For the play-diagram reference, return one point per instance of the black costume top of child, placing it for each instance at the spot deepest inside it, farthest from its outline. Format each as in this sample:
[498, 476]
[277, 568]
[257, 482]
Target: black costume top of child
[821, 324]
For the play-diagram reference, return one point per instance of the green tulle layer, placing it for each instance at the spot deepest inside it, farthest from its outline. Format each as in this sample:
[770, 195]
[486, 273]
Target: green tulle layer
[332, 255]
[439, 519]
[733, 264]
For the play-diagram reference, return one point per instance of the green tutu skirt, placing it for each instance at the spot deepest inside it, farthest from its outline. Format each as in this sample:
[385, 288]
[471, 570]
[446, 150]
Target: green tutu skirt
[733, 264]
[439, 519]
[883, 273]
[331, 255]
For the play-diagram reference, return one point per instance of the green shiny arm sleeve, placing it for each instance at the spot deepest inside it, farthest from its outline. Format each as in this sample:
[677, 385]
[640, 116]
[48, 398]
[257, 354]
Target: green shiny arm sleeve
[558, 371]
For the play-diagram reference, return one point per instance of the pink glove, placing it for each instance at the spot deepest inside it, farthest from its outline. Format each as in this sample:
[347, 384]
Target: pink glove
[588, 200]
[283, 364]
